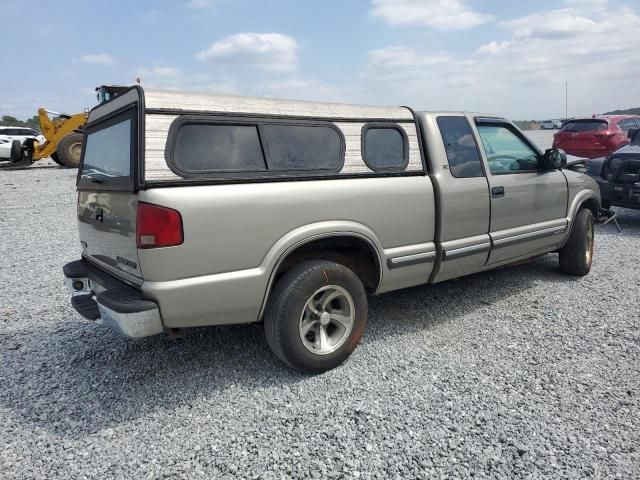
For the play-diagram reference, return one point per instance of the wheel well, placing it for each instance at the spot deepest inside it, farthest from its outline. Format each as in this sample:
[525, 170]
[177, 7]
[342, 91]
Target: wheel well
[593, 205]
[353, 252]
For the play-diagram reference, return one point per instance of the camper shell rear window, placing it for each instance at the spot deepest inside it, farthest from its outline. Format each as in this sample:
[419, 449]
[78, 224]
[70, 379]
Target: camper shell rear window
[210, 146]
[109, 153]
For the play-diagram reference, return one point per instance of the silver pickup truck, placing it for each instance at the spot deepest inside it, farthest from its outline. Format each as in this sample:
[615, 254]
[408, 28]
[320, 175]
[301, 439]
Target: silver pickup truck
[199, 209]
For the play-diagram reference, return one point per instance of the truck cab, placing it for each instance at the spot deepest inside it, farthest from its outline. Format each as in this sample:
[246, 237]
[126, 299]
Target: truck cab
[518, 200]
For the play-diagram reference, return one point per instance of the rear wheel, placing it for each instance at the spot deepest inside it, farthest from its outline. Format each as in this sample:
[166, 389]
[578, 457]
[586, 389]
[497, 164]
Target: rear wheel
[55, 158]
[316, 316]
[69, 150]
[577, 254]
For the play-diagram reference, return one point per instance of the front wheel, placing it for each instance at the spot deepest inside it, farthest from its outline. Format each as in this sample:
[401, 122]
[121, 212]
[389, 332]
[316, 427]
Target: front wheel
[577, 254]
[316, 316]
[69, 150]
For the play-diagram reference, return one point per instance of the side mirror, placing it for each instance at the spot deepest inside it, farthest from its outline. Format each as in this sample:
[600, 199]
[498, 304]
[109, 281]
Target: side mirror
[632, 134]
[554, 159]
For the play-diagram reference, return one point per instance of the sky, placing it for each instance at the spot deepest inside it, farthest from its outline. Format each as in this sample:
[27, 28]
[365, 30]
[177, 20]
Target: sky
[495, 56]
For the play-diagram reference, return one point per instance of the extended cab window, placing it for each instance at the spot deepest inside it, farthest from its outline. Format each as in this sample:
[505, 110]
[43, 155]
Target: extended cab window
[506, 152]
[108, 154]
[384, 147]
[462, 151]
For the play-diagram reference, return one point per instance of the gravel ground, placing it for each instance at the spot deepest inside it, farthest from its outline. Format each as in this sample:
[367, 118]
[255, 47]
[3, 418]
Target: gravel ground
[519, 372]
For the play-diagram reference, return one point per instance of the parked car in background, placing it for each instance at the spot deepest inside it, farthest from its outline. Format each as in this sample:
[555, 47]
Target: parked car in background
[198, 209]
[618, 175]
[551, 125]
[597, 136]
[5, 150]
[12, 140]
[20, 133]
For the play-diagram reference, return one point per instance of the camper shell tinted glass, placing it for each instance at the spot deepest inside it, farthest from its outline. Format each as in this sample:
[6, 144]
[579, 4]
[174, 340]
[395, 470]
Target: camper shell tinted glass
[203, 148]
[109, 153]
[385, 147]
[228, 147]
[303, 147]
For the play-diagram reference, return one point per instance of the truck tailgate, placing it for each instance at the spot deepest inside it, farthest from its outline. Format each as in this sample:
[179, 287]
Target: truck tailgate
[107, 229]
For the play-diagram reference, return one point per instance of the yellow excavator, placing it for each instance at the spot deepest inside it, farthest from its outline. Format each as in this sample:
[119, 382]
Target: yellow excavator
[63, 134]
[63, 138]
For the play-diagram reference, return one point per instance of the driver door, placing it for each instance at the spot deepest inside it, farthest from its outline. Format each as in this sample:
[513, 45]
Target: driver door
[528, 204]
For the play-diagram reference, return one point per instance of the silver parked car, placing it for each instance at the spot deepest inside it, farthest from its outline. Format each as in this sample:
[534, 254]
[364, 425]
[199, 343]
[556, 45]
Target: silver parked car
[551, 125]
[198, 209]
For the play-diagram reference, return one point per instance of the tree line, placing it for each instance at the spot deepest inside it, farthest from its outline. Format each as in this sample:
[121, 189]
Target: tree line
[9, 121]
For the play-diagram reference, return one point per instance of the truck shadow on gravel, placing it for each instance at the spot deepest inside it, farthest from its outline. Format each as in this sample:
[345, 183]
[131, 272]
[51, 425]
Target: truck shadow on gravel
[74, 379]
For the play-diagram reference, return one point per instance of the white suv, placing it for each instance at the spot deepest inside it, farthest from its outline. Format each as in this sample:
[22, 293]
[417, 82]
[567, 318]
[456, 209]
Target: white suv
[9, 134]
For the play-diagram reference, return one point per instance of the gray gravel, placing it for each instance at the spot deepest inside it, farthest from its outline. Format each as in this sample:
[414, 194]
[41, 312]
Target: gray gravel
[520, 372]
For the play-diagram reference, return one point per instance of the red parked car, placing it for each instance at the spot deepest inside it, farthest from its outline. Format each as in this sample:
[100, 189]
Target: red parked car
[597, 136]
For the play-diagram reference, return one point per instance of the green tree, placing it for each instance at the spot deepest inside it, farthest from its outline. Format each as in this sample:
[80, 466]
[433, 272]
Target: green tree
[9, 121]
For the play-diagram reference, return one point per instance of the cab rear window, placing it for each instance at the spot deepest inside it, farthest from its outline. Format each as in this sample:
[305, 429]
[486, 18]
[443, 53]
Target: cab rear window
[585, 126]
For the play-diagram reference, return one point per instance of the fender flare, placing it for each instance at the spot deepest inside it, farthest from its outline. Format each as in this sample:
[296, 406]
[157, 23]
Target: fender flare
[582, 197]
[309, 233]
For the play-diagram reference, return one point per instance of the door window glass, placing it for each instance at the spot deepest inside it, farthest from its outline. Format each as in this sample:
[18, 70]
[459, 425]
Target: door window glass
[506, 152]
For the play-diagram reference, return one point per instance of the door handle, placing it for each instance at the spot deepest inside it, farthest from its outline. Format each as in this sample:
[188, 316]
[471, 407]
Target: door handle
[497, 192]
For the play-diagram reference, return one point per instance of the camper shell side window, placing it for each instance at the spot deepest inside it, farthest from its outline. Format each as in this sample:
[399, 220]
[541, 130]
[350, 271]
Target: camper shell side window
[228, 147]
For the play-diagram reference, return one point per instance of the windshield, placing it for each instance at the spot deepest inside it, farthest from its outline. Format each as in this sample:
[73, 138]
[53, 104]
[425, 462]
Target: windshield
[107, 154]
[585, 126]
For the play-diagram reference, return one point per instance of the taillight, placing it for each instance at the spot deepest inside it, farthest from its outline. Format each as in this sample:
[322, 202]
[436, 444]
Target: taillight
[157, 226]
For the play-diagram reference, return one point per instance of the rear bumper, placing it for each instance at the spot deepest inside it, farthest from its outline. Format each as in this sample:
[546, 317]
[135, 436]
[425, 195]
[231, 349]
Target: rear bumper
[107, 301]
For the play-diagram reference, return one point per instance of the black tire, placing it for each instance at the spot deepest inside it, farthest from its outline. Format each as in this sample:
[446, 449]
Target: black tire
[16, 151]
[577, 254]
[288, 301]
[69, 149]
[55, 158]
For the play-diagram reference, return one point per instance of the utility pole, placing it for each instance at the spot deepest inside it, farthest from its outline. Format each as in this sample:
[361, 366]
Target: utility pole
[566, 100]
